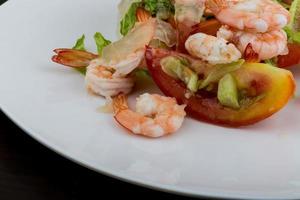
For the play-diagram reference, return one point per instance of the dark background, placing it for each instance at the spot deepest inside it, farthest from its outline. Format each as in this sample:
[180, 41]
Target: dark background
[30, 171]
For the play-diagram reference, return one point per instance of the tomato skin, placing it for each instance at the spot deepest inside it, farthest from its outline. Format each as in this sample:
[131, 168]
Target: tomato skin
[183, 33]
[209, 27]
[292, 58]
[205, 107]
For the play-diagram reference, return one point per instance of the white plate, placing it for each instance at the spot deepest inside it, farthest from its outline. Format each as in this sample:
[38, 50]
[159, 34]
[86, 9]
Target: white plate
[51, 104]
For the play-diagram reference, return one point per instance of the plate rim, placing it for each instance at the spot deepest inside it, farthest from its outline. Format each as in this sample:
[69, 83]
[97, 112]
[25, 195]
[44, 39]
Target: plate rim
[132, 180]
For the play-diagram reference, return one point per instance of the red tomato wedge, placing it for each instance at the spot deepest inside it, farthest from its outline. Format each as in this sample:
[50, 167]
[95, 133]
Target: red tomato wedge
[209, 27]
[276, 84]
[292, 58]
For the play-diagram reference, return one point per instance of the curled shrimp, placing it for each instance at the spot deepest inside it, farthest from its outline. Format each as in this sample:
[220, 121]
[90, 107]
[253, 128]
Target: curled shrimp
[257, 16]
[99, 80]
[266, 45]
[110, 79]
[155, 115]
[212, 49]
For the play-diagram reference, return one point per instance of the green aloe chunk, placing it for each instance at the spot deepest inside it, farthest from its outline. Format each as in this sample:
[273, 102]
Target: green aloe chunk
[219, 71]
[228, 92]
[176, 68]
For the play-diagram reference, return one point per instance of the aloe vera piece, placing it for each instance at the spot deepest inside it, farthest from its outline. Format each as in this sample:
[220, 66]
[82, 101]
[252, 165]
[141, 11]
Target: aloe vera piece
[219, 71]
[228, 92]
[175, 68]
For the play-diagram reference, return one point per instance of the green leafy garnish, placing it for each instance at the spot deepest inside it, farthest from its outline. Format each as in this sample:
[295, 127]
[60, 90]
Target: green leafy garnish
[271, 62]
[293, 28]
[142, 73]
[151, 6]
[101, 42]
[80, 44]
[129, 19]
[163, 9]
[81, 70]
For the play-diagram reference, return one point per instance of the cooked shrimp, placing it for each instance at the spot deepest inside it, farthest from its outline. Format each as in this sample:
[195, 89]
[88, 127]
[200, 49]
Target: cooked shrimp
[266, 45]
[212, 49]
[257, 16]
[110, 79]
[127, 65]
[155, 115]
[99, 80]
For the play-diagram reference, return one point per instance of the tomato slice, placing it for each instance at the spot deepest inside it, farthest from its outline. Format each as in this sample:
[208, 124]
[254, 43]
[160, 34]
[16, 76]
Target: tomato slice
[209, 27]
[183, 33]
[276, 84]
[292, 58]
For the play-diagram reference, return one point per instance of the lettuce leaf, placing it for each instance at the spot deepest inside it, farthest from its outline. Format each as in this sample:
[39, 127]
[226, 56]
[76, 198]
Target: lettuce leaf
[272, 62]
[101, 42]
[142, 73]
[151, 6]
[161, 8]
[293, 28]
[80, 44]
[129, 19]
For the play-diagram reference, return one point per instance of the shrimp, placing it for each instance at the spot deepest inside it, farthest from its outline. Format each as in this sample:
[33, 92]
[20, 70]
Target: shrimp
[266, 45]
[126, 66]
[256, 16]
[110, 79]
[99, 80]
[208, 12]
[155, 115]
[212, 49]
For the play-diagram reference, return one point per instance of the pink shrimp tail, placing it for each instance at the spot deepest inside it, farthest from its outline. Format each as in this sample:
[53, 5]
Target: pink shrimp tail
[73, 58]
[120, 103]
[216, 5]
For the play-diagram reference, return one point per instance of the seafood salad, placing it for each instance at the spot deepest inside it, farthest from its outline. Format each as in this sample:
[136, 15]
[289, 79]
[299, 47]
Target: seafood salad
[218, 61]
